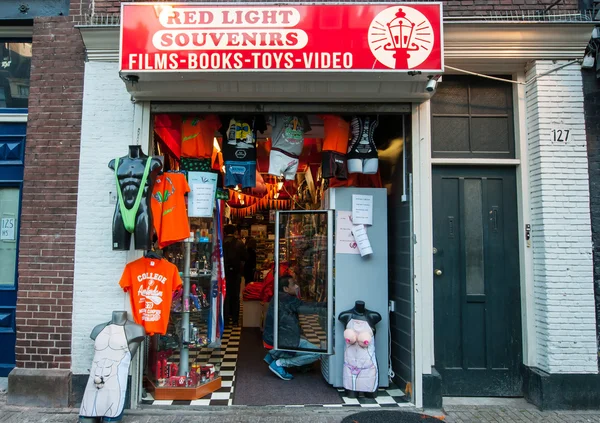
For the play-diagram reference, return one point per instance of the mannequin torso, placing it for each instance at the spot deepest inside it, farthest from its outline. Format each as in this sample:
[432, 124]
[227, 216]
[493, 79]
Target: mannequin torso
[115, 343]
[134, 177]
[130, 172]
[135, 333]
[360, 373]
[359, 312]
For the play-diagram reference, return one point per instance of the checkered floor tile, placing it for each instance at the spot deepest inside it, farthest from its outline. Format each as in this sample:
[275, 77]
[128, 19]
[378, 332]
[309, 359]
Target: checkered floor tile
[225, 359]
[312, 330]
[386, 397]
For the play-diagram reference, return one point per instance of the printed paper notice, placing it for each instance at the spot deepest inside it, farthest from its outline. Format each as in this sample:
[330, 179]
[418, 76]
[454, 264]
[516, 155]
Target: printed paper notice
[362, 240]
[344, 240]
[362, 209]
[202, 196]
[8, 229]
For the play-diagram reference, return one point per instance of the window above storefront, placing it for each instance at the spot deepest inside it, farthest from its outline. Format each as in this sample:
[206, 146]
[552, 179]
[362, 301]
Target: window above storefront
[472, 118]
[15, 67]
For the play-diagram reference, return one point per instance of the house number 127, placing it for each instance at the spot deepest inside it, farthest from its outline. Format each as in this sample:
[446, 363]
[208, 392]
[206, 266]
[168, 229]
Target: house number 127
[560, 135]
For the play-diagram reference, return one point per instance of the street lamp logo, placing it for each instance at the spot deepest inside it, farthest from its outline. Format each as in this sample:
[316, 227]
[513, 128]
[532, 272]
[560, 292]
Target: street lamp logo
[401, 37]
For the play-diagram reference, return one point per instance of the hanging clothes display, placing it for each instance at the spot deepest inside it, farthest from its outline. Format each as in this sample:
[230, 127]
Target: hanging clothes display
[134, 177]
[362, 153]
[169, 212]
[287, 143]
[335, 145]
[239, 149]
[216, 321]
[197, 136]
[168, 128]
[150, 283]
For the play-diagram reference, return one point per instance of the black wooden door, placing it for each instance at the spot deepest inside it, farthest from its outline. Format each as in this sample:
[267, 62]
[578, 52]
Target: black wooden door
[477, 305]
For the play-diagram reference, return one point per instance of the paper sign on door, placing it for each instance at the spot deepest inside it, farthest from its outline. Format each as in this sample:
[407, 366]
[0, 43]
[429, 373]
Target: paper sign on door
[202, 196]
[344, 240]
[362, 209]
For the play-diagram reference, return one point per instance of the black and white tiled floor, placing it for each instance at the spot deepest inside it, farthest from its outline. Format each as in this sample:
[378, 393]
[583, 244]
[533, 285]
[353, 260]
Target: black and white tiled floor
[225, 359]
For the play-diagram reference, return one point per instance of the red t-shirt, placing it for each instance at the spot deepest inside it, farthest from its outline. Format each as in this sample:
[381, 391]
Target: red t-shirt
[337, 134]
[169, 214]
[151, 283]
[197, 136]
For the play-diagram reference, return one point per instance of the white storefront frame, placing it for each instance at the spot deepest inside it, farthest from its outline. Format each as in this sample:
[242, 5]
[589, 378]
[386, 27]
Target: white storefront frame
[482, 46]
[423, 230]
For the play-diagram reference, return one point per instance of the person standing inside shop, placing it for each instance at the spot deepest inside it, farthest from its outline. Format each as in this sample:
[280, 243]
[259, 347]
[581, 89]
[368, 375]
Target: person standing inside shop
[250, 263]
[234, 255]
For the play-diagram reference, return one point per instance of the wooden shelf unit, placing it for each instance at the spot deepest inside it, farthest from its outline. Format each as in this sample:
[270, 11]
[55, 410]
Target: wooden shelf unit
[181, 393]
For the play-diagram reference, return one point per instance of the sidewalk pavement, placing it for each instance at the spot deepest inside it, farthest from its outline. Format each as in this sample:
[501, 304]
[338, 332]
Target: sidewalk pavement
[456, 410]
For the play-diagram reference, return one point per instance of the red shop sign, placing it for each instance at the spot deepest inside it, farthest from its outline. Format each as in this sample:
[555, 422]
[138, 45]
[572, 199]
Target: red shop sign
[316, 37]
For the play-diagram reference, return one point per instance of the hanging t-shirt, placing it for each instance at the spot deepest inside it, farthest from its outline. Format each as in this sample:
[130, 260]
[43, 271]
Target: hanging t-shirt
[168, 128]
[362, 145]
[151, 283]
[239, 137]
[337, 133]
[169, 214]
[197, 136]
[288, 133]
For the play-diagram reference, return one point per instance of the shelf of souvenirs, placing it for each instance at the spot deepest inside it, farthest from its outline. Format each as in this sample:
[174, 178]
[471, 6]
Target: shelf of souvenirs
[165, 382]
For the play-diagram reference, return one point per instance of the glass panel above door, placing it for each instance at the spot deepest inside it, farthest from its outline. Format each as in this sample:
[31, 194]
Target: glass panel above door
[9, 210]
[303, 296]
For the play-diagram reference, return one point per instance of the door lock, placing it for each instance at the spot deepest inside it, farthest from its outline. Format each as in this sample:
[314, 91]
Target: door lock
[437, 272]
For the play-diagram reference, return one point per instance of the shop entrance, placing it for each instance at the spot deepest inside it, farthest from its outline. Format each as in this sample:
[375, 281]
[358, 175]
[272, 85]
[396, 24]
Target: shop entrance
[476, 282]
[277, 226]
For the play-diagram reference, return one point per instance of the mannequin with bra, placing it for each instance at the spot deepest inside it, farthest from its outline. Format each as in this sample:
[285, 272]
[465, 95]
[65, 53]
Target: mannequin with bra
[361, 373]
[115, 344]
[134, 175]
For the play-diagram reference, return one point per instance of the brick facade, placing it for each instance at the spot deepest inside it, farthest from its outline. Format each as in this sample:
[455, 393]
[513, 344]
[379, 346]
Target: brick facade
[106, 100]
[49, 204]
[591, 88]
[451, 7]
[560, 222]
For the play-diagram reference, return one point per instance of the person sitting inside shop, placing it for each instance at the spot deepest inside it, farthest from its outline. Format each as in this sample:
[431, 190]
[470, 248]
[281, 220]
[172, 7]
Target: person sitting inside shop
[290, 306]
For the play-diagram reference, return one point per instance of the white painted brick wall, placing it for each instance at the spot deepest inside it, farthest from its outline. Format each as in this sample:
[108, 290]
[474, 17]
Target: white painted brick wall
[107, 130]
[560, 222]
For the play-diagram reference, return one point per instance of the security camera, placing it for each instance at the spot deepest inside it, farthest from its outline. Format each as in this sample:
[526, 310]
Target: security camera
[432, 83]
[131, 78]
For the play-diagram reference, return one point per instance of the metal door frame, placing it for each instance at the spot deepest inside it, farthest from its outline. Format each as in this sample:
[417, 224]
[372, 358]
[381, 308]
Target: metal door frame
[330, 270]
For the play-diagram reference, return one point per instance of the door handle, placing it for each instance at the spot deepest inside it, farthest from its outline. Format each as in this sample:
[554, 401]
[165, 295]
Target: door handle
[437, 272]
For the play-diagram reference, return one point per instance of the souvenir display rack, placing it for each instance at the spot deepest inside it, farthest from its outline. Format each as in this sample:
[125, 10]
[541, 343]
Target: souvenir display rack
[188, 327]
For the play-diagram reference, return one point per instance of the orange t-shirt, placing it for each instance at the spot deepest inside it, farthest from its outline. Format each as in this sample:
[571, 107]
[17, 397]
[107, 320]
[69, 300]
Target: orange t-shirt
[169, 214]
[151, 283]
[197, 136]
[337, 134]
